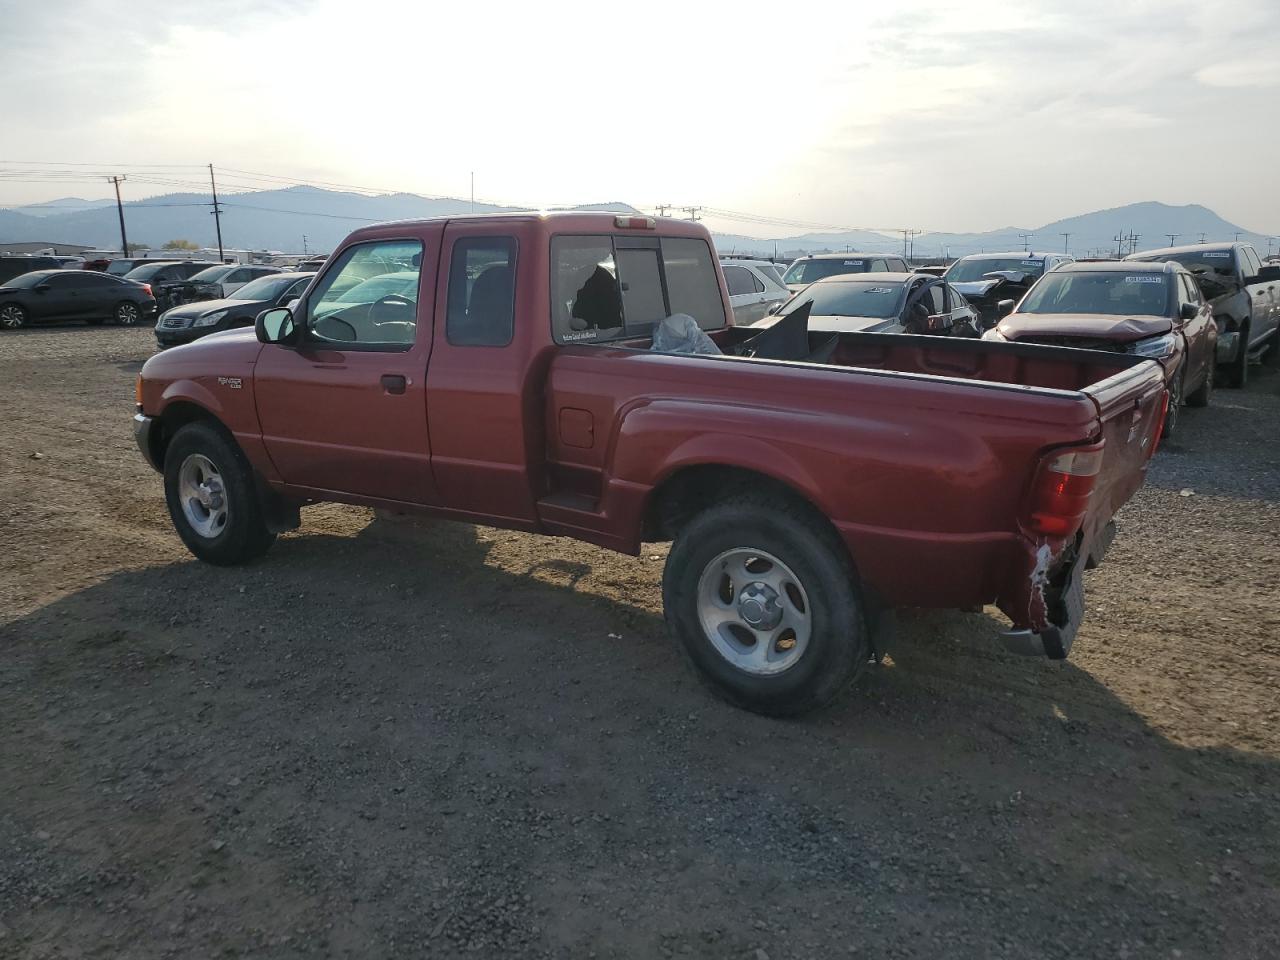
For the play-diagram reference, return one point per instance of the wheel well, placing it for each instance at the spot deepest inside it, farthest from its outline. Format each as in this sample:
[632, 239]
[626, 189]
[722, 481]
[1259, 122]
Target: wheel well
[691, 490]
[176, 416]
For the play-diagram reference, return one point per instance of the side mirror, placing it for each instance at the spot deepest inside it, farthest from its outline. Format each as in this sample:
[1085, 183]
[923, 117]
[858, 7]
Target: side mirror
[274, 326]
[774, 308]
[1005, 307]
[1268, 274]
[1189, 311]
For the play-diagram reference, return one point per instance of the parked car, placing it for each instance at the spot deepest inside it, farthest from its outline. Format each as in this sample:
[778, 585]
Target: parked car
[97, 263]
[223, 280]
[87, 295]
[815, 266]
[887, 303]
[188, 322]
[1244, 296]
[16, 266]
[810, 481]
[167, 278]
[120, 266]
[984, 279]
[754, 287]
[1146, 309]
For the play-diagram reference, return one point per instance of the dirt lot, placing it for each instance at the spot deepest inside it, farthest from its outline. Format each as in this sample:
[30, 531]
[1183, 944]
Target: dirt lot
[483, 743]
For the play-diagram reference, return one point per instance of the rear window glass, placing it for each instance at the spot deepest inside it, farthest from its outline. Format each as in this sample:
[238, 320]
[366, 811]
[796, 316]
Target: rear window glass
[602, 290]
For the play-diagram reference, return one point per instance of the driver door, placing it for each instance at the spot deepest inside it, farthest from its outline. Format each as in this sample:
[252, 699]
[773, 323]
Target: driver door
[344, 409]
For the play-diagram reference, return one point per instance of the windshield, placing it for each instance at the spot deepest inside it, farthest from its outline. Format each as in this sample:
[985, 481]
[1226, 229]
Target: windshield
[1203, 263]
[211, 274]
[267, 288]
[120, 267]
[27, 280]
[968, 270]
[807, 271]
[861, 298]
[147, 270]
[1112, 293]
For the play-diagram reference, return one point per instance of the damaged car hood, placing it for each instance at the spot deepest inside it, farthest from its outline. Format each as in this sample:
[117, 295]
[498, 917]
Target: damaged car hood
[1100, 326]
[835, 323]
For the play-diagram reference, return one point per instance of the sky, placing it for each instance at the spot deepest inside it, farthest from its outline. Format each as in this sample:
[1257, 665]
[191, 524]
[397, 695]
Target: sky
[938, 116]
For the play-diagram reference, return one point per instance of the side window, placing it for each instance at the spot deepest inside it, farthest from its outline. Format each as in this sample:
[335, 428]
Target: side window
[369, 296]
[482, 290]
[936, 298]
[738, 280]
[586, 303]
[239, 276]
[757, 285]
[97, 280]
[692, 287]
[877, 266]
[295, 290]
[64, 281]
[1190, 290]
[1252, 263]
[898, 266]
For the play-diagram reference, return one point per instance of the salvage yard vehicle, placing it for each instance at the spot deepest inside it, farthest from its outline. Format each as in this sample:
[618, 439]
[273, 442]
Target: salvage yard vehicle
[48, 295]
[887, 303]
[1151, 310]
[188, 322]
[755, 288]
[516, 386]
[166, 277]
[985, 279]
[222, 280]
[1244, 295]
[804, 270]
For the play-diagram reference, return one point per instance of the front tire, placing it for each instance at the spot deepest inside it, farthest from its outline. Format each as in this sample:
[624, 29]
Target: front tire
[1238, 370]
[762, 599]
[127, 314]
[1176, 389]
[13, 316]
[209, 488]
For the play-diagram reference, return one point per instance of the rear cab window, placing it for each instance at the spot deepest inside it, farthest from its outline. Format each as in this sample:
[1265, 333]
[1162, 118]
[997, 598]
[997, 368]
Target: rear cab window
[611, 287]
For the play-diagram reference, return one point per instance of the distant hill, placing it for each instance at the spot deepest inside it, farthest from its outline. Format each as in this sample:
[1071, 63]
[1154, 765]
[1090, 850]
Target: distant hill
[278, 220]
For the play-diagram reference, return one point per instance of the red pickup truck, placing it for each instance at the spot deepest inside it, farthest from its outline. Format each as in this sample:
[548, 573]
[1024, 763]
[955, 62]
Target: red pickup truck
[500, 370]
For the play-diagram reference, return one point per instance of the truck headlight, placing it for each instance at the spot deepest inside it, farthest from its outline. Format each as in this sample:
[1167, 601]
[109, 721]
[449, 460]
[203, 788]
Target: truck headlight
[1156, 347]
[209, 319]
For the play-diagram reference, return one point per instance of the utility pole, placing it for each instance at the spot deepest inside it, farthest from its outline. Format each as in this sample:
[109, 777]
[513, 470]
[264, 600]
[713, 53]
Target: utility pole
[1172, 237]
[662, 209]
[1202, 236]
[304, 244]
[1026, 240]
[1237, 236]
[124, 241]
[693, 212]
[217, 213]
[1066, 243]
[1119, 239]
[1133, 241]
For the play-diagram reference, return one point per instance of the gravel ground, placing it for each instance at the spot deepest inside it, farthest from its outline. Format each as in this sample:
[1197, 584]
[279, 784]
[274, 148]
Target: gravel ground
[457, 741]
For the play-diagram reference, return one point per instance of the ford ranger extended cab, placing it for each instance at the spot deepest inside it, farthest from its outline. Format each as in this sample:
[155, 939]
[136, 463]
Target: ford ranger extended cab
[499, 370]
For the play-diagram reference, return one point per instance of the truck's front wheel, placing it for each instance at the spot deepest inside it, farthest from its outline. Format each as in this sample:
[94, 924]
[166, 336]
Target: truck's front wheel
[762, 599]
[208, 485]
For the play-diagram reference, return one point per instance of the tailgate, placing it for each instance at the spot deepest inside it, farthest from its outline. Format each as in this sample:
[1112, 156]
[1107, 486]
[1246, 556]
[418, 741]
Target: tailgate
[1131, 408]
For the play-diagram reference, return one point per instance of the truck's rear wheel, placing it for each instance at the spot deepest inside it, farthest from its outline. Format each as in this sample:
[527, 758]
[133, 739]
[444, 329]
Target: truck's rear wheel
[208, 485]
[762, 599]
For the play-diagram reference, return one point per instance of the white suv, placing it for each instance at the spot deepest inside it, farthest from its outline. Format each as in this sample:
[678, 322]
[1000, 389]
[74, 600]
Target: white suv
[754, 287]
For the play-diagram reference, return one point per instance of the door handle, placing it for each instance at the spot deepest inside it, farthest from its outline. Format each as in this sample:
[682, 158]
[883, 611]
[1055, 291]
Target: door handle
[393, 383]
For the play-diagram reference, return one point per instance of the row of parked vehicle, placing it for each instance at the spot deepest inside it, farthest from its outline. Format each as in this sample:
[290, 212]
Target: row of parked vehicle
[1204, 311]
[128, 291]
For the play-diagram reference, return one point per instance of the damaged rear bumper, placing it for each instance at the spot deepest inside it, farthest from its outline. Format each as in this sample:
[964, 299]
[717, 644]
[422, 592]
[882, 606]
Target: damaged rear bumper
[1054, 602]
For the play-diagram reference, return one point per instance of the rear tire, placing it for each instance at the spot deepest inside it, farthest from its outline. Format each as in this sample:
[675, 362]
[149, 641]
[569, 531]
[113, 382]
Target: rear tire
[209, 488]
[1237, 370]
[127, 314]
[763, 601]
[1202, 394]
[13, 316]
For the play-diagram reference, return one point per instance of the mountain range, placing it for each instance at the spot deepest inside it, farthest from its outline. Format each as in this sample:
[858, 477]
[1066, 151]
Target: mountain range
[280, 219]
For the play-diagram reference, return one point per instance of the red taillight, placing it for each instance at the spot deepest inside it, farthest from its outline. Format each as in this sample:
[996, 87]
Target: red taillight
[146, 288]
[1060, 495]
[635, 223]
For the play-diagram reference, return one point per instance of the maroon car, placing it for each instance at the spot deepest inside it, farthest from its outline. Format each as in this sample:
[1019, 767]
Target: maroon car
[1151, 310]
[578, 375]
